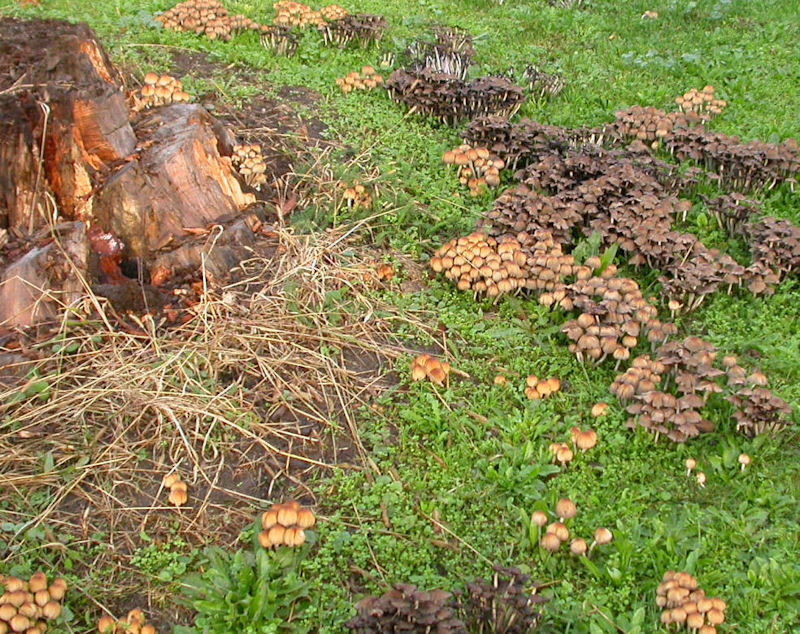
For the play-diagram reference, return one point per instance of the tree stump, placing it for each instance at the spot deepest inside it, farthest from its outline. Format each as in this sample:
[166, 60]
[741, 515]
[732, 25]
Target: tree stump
[70, 148]
[39, 285]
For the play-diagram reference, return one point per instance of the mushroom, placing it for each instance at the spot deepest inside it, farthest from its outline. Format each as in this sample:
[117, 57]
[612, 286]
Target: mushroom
[566, 509]
[306, 518]
[578, 547]
[550, 542]
[599, 409]
[744, 461]
[701, 479]
[51, 610]
[586, 440]
[602, 536]
[57, 589]
[178, 494]
[691, 464]
[564, 455]
[106, 625]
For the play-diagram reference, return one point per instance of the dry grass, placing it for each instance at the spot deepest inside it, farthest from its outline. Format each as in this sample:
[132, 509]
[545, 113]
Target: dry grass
[258, 388]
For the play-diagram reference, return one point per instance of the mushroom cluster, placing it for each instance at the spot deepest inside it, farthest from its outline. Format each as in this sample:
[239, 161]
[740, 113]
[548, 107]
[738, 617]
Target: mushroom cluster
[203, 17]
[685, 604]
[405, 608]
[749, 166]
[241, 23]
[451, 53]
[643, 376]
[367, 79]
[426, 367]
[178, 490]
[249, 162]
[548, 266]
[507, 604]
[279, 39]
[333, 12]
[451, 99]
[775, 244]
[482, 264]
[650, 125]
[357, 196]
[536, 389]
[732, 211]
[557, 533]
[477, 167]
[29, 606]
[701, 102]
[676, 418]
[590, 181]
[614, 316]
[290, 14]
[160, 90]
[285, 525]
[362, 28]
[542, 85]
[759, 411]
[134, 623]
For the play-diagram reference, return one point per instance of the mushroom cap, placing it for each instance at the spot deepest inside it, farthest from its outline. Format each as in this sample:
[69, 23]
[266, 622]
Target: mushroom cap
[564, 454]
[560, 530]
[603, 536]
[150, 79]
[51, 610]
[578, 546]
[135, 616]
[106, 624]
[694, 620]
[715, 617]
[599, 409]
[744, 459]
[691, 463]
[305, 518]
[37, 582]
[586, 440]
[550, 542]
[539, 518]
[19, 623]
[566, 509]
[276, 535]
[170, 479]
[264, 540]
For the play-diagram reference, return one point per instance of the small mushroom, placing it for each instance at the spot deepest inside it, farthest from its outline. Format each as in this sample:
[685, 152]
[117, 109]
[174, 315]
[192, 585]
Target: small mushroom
[602, 536]
[701, 479]
[744, 461]
[586, 440]
[578, 547]
[599, 409]
[550, 542]
[691, 463]
[566, 509]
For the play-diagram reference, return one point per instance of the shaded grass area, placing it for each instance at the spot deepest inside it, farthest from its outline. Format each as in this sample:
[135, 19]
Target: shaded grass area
[474, 455]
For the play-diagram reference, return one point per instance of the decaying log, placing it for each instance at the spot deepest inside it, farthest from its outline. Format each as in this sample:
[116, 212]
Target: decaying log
[71, 149]
[178, 181]
[39, 285]
[58, 89]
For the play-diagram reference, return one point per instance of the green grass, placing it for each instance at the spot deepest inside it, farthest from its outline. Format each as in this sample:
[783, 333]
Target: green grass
[739, 535]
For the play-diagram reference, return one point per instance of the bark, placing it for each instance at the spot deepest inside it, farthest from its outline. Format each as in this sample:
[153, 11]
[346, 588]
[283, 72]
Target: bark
[47, 279]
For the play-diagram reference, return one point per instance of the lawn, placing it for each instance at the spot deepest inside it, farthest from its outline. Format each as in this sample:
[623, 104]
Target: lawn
[457, 470]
